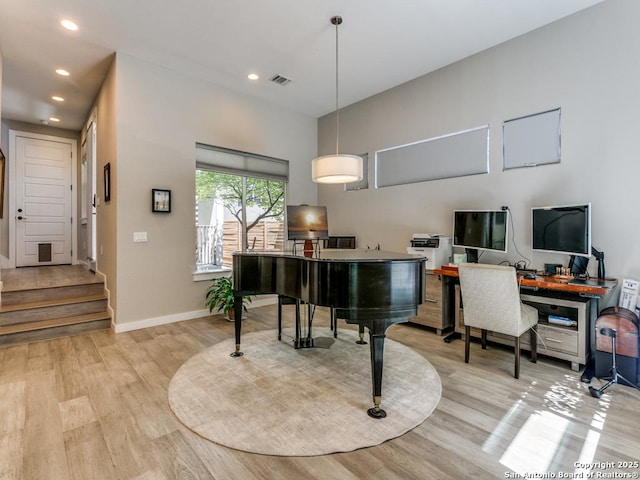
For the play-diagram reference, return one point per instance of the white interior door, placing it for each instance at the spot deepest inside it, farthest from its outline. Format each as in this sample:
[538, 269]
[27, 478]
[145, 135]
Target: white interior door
[43, 202]
[90, 198]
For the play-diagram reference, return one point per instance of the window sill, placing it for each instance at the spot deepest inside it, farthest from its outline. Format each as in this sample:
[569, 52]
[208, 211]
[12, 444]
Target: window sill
[203, 276]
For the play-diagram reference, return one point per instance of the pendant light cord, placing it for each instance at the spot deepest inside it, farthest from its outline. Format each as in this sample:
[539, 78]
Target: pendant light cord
[337, 21]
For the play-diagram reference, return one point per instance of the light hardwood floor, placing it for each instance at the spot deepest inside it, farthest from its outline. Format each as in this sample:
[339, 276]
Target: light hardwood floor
[94, 406]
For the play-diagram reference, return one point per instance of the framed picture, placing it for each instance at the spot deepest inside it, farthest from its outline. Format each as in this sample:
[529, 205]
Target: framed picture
[107, 182]
[2, 162]
[160, 200]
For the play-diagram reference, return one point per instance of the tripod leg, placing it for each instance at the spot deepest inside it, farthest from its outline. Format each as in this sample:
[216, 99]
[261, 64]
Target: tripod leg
[631, 384]
[597, 393]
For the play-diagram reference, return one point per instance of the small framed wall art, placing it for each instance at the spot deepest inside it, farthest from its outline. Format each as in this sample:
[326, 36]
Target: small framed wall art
[160, 200]
[2, 162]
[107, 182]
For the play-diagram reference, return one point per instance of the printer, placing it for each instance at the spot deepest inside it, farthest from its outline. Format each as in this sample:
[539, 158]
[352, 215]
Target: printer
[435, 248]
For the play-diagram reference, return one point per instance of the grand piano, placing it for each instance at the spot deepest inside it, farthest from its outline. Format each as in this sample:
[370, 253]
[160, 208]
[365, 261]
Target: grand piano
[370, 288]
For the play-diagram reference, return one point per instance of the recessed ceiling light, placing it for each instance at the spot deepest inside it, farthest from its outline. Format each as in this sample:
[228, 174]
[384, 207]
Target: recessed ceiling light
[68, 24]
[54, 119]
[253, 76]
[63, 72]
[57, 98]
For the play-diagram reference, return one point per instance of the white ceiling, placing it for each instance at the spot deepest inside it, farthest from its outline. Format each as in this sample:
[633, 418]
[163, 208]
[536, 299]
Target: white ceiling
[383, 43]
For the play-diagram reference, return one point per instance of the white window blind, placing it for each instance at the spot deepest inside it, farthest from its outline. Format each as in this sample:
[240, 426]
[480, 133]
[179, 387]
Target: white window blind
[531, 140]
[240, 163]
[453, 155]
[364, 183]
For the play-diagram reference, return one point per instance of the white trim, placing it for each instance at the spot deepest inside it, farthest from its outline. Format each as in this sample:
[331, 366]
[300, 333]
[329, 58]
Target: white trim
[179, 317]
[153, 322]
[11, 174]
[210, 275]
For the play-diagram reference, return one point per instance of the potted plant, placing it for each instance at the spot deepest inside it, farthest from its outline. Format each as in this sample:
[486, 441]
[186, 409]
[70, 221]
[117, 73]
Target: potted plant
[220, 296]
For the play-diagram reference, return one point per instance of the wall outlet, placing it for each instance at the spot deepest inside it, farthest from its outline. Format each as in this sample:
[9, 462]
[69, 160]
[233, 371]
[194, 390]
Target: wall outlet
[139, 237]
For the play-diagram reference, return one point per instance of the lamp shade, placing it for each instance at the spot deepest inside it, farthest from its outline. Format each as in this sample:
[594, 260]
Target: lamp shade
[338, 168]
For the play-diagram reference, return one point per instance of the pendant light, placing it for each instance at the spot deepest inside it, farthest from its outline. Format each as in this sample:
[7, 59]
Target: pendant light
[340, 167]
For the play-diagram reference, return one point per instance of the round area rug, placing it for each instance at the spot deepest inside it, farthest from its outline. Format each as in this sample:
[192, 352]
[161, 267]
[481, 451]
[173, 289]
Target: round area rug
[277, 400]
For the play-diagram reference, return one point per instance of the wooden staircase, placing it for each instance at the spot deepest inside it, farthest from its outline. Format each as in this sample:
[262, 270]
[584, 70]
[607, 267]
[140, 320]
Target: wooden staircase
[40, 303]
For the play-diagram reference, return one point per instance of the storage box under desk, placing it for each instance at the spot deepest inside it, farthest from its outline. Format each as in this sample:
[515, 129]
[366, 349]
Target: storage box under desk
[563, 342]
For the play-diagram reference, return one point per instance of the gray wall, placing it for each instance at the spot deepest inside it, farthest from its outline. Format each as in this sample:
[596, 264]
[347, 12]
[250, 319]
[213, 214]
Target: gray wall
[586, 64]
[159, 117]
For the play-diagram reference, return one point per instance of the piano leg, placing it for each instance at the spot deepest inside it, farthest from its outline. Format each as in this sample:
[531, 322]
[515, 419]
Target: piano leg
[307, 340]
[361, 334]
[237, 307]
[280, 301]
[333, 321]
[377, 352]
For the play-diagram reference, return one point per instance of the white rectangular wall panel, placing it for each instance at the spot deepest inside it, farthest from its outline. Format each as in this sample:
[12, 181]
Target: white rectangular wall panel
[454, 155]
[532, 140]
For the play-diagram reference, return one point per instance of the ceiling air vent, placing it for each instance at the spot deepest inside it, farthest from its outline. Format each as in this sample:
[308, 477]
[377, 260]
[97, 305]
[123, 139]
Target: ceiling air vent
[280, 80]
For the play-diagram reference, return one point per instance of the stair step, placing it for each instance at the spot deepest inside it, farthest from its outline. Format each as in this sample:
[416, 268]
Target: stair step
[31, 295]
[51, 303]
[48, 333]
[44, 302]
[57, 308]
[55, 322]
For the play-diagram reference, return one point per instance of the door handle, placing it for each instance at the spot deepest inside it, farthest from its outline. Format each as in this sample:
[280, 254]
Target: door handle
[20, 217]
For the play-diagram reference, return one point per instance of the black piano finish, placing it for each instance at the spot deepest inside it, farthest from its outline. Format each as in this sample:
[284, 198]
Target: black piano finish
[370, 288]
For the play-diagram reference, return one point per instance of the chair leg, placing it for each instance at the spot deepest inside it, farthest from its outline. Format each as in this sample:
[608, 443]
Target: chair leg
[533, 340]
[516, 372]
[483, 339]
[467, 342]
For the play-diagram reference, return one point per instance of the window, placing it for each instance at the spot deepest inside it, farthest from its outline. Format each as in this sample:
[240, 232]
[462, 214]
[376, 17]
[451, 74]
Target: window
[448, 156]
[364, 183]
[531, 140]
[240, 203]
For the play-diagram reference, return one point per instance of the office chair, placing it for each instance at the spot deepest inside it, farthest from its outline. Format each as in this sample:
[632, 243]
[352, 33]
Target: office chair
[491, 302]
[615, 375]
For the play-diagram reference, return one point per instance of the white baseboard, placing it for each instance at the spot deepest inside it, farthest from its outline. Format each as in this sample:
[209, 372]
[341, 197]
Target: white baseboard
[5, 262]
[180, 317]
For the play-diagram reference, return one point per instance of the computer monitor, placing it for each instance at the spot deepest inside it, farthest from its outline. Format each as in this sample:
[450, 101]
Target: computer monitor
[565, 229]
[306, 222]
[562, 229]
[476, 230]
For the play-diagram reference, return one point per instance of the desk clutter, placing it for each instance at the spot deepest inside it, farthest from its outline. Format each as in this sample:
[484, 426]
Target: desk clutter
[563, 272]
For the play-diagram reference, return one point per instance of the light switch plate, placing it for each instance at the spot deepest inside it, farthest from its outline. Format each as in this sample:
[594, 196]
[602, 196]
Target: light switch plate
[139, 237]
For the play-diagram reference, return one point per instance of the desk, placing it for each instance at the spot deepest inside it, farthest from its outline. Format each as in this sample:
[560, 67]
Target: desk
[592, 289]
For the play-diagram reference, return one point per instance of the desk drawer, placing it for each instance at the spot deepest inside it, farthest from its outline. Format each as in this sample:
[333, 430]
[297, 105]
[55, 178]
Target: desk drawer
[433, 296]
[430, 312]
[557, 339]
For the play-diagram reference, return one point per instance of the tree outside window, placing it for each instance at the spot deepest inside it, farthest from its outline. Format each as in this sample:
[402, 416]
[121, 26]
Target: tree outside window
[233, 211]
